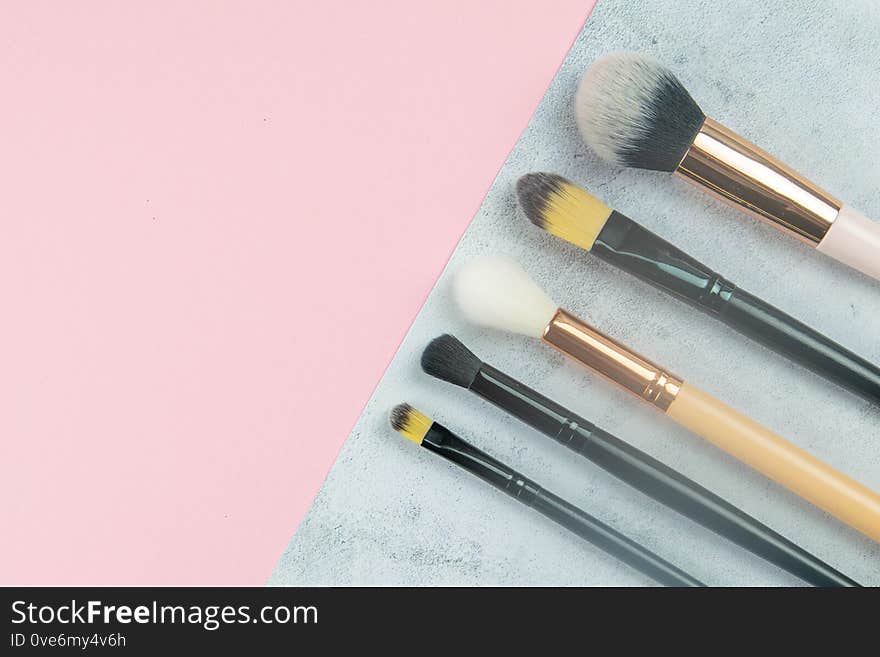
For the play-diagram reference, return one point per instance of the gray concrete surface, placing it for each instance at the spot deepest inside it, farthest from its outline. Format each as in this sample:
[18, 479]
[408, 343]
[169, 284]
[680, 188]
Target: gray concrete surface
[798, 77]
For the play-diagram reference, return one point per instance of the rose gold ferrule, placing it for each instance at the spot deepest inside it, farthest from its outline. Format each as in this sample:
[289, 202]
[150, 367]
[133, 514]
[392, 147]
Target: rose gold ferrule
[743, 175]
[580, 341]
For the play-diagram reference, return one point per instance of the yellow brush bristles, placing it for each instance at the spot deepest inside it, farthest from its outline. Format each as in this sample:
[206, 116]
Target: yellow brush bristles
[410, 422]
[560, 207]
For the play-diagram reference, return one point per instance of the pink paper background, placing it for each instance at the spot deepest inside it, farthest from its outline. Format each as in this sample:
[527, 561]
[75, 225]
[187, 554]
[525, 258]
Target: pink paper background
[218, 220]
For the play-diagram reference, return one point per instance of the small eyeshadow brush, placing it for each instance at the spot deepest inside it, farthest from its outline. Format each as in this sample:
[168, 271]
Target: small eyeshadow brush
[436, 438]
[570, 212]
[448, 359]
[494, 291]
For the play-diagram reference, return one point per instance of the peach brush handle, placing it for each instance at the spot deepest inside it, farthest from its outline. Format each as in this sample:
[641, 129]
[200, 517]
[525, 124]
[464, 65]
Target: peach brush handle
[854, 240]
[770, 454]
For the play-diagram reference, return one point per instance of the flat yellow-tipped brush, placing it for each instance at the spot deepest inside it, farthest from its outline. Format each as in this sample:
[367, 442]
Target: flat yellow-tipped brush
[433, 436]
[560, 207]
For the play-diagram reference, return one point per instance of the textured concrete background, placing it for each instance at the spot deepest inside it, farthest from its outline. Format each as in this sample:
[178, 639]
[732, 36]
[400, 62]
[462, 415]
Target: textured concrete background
[800, 79]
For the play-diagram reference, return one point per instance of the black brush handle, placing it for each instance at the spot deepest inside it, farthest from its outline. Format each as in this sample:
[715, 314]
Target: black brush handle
[772, 327]
[651, 477]
[633, 248]
[442, 441]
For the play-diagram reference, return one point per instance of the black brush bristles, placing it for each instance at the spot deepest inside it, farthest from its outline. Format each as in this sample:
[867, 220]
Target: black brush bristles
[534, 191]
[635, 113]
[562, 208]
[410, 422]
[399, 415]
[447, 358]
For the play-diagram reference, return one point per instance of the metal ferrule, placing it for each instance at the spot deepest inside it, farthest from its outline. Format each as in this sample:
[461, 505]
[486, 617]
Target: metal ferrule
[743, 175]
[577, 339]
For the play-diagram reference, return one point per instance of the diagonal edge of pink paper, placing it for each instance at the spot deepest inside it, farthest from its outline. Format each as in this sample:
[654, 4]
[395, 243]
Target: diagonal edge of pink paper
[218, 220]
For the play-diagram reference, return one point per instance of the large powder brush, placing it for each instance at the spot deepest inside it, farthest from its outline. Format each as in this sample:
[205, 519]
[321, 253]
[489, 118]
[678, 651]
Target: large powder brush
[634, 112]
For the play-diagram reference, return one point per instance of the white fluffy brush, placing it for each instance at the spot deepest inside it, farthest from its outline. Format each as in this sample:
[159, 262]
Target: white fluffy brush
[494, 291]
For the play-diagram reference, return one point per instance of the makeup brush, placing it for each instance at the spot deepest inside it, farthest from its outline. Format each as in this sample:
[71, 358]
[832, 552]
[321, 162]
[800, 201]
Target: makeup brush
[436, 438]
[560, 207]
[494, 291]
[448, 359]
[635, 113]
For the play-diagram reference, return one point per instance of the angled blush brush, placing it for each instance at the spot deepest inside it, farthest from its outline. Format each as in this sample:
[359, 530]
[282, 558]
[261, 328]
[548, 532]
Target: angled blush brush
[634, 112]
[446, 358]
[562, 208]
[436, 438]
[495, 292]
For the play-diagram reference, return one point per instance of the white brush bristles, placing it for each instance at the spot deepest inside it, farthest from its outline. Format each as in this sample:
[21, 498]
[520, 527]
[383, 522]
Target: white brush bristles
[494, 291]
[612, 101]
[635, 113]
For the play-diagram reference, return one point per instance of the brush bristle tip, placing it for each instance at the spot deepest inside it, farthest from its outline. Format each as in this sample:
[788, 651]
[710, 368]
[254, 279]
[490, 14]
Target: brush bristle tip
[562, 208]
[495, 292]
[448, 359]
[410, 422]
[634, 112]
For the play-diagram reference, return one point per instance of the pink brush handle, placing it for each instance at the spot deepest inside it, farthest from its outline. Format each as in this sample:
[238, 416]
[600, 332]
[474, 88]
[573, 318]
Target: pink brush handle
[854, 240]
